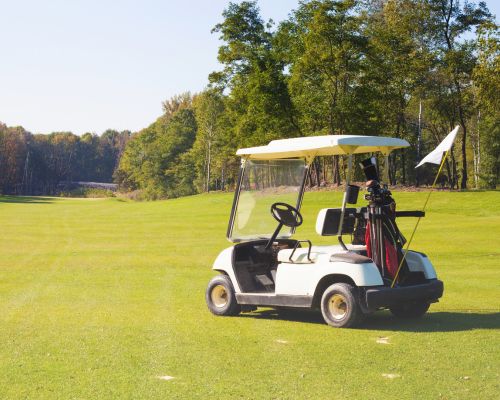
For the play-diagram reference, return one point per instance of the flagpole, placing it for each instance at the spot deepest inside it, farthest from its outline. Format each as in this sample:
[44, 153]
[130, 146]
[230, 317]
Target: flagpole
[419, 218]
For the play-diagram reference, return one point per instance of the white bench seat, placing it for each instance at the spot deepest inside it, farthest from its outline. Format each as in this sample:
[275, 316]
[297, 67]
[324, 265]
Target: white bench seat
[300, 254]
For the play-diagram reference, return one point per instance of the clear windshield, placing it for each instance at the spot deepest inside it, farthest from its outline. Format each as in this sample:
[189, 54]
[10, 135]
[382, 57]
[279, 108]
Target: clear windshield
[264, 183]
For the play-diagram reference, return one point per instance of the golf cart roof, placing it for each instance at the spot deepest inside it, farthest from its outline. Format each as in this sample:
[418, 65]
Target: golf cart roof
[327, 145]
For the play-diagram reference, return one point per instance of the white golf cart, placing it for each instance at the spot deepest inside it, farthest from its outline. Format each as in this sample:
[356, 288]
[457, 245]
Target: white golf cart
[266, 267]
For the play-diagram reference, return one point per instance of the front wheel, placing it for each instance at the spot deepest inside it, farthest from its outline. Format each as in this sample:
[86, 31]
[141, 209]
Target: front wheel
[340, 307]
[410, 310]
[220, 296]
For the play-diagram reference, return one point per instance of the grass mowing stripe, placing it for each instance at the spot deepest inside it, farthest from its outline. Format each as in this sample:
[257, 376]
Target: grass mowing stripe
[118, 300]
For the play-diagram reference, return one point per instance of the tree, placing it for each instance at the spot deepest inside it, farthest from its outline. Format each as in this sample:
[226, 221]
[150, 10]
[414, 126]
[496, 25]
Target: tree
[449, 21]
[396, 69]
[209, 107]
[154, 159]
[487, 82]
[176, 103]
[258, 105]
[39, 164]
[13, 156]
[324, 46]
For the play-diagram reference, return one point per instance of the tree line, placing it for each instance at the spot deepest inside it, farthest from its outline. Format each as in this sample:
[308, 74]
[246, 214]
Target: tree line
[406, 68]
[38, 164]
[411, 69]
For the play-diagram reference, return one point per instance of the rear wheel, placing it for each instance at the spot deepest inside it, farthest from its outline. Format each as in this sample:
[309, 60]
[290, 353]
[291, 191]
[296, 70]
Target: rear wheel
[339, 306]
[220, 296]
[410, 310]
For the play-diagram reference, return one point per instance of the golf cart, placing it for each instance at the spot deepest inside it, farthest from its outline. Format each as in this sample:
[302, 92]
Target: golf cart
[267, 267]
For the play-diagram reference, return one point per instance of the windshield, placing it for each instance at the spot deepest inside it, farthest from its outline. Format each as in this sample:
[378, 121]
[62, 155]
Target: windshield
[262, 184]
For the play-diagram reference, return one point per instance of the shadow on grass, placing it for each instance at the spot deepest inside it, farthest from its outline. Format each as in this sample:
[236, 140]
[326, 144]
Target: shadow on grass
[26, 199]
[294, 315]
[441, 321]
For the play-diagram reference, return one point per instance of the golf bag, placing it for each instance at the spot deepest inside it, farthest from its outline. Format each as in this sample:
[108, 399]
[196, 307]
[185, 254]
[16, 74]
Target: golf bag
[384, 241]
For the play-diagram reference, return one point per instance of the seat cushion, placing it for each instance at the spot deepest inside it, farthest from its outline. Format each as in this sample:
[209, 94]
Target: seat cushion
[350, 257]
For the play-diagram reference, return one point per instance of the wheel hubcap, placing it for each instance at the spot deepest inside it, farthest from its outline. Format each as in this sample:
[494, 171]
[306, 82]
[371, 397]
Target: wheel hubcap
[337, 306]
[219, 296]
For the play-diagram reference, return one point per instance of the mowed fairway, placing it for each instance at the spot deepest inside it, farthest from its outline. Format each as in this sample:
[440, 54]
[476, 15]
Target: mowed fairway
[100, 298]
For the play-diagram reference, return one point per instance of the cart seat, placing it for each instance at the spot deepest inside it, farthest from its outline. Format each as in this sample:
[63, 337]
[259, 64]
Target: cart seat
[350, 257]
[327, 253]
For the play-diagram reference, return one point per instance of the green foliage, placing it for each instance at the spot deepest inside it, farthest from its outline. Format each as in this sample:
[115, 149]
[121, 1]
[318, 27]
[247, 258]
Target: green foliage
[155, 160]
[325, 50]
[258, 105]
[332, 67]
[209, 151]
[36, 164]
[83, 192]
[487, 79]
[455, 59]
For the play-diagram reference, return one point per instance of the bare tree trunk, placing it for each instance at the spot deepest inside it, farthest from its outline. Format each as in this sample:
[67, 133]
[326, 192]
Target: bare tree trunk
[317, 169]
[333, 169]
[399, 121]
[476, 151]
[24, 182]
[419, 142]
[336, 170]
[392, 168]
[208, 165]
[223, 182]
[448, 171]
[403, 167]
[463, 183]
[323, 166]
[454, 181]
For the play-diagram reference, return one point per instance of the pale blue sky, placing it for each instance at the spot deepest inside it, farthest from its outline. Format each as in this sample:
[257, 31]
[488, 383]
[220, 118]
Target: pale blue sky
[89, 65]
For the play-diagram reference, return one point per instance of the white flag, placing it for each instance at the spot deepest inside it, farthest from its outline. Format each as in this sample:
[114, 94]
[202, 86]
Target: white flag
[436, 155]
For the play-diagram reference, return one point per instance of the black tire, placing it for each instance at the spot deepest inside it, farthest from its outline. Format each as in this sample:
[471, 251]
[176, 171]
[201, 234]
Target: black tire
[340, 307]
[220, 296]
[410, 310]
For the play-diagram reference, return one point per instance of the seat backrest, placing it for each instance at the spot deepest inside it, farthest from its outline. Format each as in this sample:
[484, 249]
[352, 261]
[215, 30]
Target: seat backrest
[328, 221]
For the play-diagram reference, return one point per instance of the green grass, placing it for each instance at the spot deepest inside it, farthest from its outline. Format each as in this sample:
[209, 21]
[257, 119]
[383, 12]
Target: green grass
[100, 297]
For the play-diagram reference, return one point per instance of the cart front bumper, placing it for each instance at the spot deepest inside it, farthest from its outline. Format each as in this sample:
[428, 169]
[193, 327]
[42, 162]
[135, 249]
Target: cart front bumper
[382, 296]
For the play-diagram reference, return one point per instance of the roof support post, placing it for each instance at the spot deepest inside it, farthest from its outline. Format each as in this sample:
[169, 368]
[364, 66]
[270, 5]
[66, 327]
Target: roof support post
[344, 201]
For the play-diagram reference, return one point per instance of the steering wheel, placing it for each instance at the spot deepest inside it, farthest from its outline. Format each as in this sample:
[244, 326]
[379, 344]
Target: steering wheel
[286, 215]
